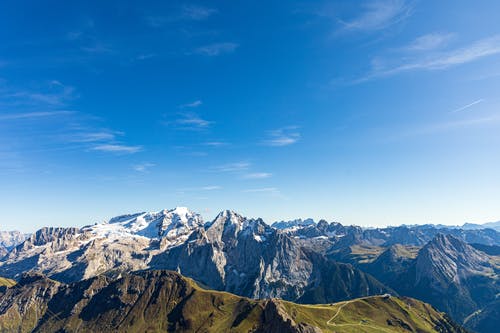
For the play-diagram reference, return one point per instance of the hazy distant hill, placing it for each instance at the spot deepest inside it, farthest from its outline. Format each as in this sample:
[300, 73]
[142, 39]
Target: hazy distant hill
[474, 226]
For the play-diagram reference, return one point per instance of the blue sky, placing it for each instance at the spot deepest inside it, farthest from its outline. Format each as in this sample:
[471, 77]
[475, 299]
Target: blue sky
[364, 112]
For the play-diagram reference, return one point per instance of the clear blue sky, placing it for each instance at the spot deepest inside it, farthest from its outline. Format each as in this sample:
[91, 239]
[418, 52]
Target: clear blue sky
[365, 112]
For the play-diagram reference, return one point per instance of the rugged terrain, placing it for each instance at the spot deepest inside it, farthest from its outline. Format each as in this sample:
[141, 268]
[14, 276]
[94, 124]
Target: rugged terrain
[155, 301]
[453, 276]
[231, 253]
[455, 270]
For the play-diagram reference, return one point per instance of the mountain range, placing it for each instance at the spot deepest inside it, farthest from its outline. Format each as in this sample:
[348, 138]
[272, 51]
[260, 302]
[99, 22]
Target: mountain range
[164, 301]
[454, 269]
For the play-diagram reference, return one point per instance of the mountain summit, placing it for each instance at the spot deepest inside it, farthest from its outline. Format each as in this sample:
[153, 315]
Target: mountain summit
[173, 224]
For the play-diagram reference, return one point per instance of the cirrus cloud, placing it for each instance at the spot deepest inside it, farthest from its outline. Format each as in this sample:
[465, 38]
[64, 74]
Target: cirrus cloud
[284, 136]
[216, 49]
[117, 148]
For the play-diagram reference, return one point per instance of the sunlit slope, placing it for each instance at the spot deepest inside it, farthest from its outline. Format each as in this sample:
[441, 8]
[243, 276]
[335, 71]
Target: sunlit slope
[6, 282]
[373, 314]
[160, 301]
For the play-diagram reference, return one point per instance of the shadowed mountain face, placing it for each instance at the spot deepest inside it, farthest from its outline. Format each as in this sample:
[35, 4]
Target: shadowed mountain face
[448, 273]
[390, 264]
[232, 253]
[485, 320]
[249, 258]
[164, 301]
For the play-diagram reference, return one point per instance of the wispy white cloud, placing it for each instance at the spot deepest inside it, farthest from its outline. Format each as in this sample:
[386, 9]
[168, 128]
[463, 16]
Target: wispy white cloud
[430, 41]
[94, 136]
[97, 48]
[379, 14]
[192, 121]
[283, 136]
[143, 167]
[102, 140]
[462, 108]
[257, 175]
[55, 129]
[193, 104]
[189, 120]
[450, 125]
[233, 167]
[183, 191]
[215, 143]
[477, 50]
[184, 13]
[211, 188]
[145, 56]
[35, 115]
[117, 148]
[216, 49]
[51, 94]
[265, 190]
[435, 60]
[464, 123]
[197, 13]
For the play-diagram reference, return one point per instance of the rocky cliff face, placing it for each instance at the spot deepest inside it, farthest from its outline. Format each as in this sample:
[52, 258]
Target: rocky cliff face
[54, 235]
[249, 258]
[451, 275]
[447, 259]
[24, 304]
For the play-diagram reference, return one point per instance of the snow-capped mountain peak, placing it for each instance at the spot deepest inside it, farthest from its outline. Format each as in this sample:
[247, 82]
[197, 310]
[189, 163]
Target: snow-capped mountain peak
[168, 223]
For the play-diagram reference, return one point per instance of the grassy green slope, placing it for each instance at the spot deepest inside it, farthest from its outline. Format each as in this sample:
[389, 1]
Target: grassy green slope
[6, 282]
[373, 314]
[159, 301]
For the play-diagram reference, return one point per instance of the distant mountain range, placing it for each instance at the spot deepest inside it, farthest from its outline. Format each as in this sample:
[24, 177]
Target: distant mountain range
[491, 225]
[9, 239]
[292, 224]
[454, 269]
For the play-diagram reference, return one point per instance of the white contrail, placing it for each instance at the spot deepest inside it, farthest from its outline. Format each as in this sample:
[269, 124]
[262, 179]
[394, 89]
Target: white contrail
[467, 106]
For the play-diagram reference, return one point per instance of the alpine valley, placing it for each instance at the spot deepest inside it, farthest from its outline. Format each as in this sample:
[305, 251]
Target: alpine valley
[172, 271]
